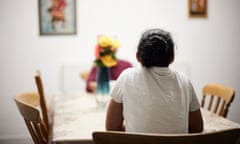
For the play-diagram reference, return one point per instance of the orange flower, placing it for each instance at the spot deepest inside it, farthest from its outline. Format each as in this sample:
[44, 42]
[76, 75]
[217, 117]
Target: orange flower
[97, 51]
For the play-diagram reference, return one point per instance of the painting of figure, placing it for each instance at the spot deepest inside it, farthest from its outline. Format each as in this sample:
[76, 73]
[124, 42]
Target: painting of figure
[57, 17]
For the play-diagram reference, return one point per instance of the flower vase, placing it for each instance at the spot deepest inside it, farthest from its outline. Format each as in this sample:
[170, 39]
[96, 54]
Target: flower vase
[103, 86]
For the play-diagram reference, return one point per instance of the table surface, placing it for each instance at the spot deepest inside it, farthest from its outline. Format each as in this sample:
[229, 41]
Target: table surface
[77, 115]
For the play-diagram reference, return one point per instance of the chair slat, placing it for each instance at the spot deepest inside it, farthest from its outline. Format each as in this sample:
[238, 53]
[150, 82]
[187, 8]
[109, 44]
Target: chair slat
[43, 104]
[32, 131]
[203, 101]
[27, 105]
[218, 93]
[217, 105]
[210, 102]
[223, 108]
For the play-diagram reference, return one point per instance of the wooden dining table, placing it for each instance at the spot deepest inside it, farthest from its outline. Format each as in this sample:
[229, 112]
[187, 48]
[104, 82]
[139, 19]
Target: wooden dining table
[76, 115]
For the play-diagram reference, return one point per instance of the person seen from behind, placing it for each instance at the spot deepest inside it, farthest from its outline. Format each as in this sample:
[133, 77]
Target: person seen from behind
[154, 98]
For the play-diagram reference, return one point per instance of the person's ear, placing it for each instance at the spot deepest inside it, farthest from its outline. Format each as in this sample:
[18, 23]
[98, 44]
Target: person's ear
[172, 60]
[138, 57]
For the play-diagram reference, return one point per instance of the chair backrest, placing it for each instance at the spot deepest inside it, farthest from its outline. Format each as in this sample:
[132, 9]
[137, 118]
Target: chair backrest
[43, 105]
[220, 98]
[28, 104]
[230, 136]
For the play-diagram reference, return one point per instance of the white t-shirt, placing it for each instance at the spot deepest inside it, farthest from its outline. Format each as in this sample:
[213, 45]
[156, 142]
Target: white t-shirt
[155, 100]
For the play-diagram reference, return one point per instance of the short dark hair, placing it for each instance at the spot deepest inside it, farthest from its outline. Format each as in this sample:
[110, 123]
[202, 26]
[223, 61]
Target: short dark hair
[156, 48]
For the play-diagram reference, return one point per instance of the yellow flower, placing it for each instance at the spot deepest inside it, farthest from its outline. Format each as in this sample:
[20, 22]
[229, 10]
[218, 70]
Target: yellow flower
[108, 60]
[105, 51]
[105, 41]
[115, 44]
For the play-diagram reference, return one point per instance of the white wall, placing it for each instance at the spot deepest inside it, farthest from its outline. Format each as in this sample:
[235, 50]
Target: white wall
[210, 46]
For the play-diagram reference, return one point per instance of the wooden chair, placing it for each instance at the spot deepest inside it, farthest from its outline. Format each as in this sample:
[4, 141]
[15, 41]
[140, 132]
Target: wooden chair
[43, 105]
[230, 136]
[220, 96]
[28, 104]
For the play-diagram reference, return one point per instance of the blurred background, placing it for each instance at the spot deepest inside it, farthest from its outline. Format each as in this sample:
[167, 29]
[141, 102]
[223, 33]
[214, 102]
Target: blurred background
[207, 48]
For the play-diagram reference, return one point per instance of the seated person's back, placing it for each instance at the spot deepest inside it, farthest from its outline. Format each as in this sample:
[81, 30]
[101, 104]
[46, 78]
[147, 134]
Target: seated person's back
[153, 98]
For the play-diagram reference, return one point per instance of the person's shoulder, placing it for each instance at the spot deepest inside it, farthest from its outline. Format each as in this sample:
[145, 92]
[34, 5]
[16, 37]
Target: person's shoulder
[182, 76]
[124, 62]
[129, 70]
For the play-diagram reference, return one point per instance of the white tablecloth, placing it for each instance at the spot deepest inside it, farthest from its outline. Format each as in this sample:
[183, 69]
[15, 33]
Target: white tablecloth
[76, 116]
[213, 122]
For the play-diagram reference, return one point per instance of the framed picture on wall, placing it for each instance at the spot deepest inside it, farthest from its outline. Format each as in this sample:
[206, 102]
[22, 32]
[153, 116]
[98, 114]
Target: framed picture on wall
[198, 8]
[57, 17]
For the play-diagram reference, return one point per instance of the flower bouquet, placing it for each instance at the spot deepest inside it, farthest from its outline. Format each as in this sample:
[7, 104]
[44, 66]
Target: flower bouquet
[105, 53]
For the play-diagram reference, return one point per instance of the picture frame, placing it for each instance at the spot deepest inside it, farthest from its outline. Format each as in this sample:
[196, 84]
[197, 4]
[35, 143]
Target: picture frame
[57, 17]
[197, 8]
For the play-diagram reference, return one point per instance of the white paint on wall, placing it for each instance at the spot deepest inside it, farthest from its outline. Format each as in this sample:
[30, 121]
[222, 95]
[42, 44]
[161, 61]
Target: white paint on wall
[210, 46]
